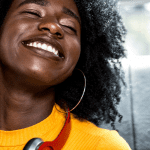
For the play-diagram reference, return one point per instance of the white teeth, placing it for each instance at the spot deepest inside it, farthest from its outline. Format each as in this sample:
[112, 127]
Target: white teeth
[55, 53]
[34, 44]
[30, 44]
[53, 50]
[44, 47]
[49, 48]
[39, 45]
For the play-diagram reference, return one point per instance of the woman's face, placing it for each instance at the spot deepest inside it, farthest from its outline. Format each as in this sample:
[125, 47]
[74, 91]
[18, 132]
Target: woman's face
[41, 39]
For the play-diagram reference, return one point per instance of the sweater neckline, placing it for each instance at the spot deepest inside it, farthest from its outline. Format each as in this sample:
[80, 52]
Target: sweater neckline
[21, 136]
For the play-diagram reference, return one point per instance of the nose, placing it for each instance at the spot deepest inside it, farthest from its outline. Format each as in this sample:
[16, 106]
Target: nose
[52, 27]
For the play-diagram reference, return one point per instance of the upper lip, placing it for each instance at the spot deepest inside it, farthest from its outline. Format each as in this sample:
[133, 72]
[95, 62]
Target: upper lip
[50, 41]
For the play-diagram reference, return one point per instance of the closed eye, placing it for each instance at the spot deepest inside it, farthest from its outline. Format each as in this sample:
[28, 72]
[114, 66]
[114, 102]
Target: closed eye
[74, 30]
[35, 13]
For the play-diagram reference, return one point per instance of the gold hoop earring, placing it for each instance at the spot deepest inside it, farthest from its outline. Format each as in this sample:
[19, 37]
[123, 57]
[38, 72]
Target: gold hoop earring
[80, 98]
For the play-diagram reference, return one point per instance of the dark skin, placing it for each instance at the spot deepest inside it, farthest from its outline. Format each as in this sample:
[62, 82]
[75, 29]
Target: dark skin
[28, 75]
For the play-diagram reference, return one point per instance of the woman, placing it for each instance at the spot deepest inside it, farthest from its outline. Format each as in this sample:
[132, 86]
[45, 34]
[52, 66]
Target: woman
[50, 52]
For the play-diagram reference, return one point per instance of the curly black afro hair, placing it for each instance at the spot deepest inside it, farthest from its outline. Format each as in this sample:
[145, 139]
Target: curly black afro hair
[102, 34]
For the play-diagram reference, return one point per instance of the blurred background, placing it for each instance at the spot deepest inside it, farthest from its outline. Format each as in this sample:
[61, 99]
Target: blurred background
[135, 103]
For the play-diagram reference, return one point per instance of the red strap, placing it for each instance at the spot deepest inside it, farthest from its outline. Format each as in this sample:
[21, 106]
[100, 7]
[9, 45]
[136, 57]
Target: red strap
[61, 139]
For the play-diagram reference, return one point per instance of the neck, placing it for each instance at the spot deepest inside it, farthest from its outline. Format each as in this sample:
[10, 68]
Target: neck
[23, 105]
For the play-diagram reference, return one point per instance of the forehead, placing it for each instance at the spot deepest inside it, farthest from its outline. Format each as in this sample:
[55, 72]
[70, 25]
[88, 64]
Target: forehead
[45, 3]
[56, 5]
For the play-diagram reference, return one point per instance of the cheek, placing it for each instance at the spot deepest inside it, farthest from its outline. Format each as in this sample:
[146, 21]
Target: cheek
[10, 40]
[73, 54]
[17, 26]
[9, 37]
[12, 31]
[76, 50]
[74, 46]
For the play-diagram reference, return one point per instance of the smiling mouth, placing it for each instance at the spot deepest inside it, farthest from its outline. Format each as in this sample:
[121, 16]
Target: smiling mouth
[43, 46]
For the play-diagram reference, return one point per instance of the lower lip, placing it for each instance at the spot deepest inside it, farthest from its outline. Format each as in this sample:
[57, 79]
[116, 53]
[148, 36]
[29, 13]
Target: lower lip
[43, 53]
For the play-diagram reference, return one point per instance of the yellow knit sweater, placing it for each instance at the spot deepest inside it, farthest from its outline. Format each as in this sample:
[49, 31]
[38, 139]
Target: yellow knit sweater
[83, 135]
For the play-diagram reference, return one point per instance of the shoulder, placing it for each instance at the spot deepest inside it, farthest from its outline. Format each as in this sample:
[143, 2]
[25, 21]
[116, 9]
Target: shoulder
[101, 139]
[112, 141]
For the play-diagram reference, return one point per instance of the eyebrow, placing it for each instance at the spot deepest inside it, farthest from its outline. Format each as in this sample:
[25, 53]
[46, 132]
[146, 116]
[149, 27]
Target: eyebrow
[38, 2]
[46, 3]
[72, 14]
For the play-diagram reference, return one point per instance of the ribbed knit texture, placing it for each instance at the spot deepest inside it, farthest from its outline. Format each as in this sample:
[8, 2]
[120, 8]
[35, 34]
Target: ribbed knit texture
[83, 136]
